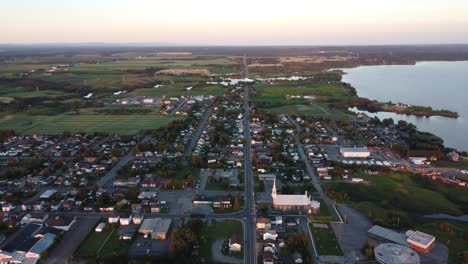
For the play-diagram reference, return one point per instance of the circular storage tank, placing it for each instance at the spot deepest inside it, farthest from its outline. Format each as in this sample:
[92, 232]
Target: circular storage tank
[389, 253]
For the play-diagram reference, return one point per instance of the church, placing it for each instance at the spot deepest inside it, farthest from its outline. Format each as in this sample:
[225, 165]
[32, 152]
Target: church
[301, 202]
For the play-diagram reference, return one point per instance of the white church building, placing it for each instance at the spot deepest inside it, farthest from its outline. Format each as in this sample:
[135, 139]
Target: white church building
[300, 202]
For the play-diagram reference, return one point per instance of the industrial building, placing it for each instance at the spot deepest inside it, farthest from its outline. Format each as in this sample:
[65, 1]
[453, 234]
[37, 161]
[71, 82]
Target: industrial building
[355, 152]
[420, 241]
[157, 228]
[389, 253]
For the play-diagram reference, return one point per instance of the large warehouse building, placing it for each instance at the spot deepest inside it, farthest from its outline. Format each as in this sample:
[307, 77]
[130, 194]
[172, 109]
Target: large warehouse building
[356, 152]
[389, 253]
[157, 228]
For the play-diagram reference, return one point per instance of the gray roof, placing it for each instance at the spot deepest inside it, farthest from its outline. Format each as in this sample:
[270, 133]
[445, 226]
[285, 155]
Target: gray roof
[388, 235]
[44, 243]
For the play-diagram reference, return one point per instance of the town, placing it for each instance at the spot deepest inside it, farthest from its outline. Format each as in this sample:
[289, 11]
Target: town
[225, 168]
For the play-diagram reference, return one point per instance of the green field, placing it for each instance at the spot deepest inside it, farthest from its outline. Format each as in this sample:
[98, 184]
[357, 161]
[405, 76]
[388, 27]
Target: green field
[451, 164]
[114, 124]
[90, 246]
[102, 244]
[178, 89]
[279, 92]
[326, 242]
[399, 200]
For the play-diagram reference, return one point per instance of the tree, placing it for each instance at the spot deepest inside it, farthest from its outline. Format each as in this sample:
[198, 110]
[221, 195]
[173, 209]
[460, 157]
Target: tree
[191, 180]
[116, 152]
[131, 194]
[181, 245]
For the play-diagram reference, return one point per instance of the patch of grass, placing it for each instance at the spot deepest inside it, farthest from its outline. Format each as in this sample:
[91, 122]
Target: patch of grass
[218, 230]
[451, 164]
[114, 124]
[455, 236]
[279, 92]
[92, 243]
[326, 242]
[178, 89]
[114, 246]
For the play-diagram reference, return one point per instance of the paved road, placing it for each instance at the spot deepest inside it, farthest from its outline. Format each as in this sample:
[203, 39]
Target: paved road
[353, 234]
[199, 131]
[305, 229]
[250, 252]
[310, 171]
[182, 102]
[106, 180]
[71, 241]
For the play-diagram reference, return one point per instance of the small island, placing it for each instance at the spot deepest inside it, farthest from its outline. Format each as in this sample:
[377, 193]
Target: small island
[373, 106]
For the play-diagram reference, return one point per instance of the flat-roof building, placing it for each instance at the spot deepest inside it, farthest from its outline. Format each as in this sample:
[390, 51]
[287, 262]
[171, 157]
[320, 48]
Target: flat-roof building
[355, 152]
[158, 228]
[420, 241]
[389, 253]
[387, 235]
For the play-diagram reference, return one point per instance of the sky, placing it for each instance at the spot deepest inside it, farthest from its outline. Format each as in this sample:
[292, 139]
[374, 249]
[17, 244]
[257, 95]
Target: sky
[240, 22]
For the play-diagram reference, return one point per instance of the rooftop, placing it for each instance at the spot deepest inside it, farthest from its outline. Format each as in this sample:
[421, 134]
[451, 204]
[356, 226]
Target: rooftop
[390, 253]
[420, 238]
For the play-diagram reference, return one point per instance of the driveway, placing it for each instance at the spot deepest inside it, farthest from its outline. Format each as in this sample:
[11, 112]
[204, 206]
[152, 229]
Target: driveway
[218, 257]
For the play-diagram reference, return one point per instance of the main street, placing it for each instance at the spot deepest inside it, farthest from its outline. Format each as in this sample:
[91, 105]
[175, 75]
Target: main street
[250, 252]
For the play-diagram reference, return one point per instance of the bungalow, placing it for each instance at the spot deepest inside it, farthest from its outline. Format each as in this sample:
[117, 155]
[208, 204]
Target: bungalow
[263, 223]
[8, 207]
[137, 218]
[113, 219]
[126, 219]
[146, 195]
[99, 228]
[268, 258]
[235, 243]
[270, 234]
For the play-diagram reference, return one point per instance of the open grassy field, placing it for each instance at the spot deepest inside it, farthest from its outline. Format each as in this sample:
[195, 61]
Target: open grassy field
[326, 242]
[114, 124]
[398, 200]
[178, 89]
[451, 164]
[19, 92]
[279, 92]
[454, 234]
[114, 246]
[90, 246]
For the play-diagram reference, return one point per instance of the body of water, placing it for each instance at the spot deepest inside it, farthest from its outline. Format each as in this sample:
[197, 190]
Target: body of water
[441, 85]
[463, 218]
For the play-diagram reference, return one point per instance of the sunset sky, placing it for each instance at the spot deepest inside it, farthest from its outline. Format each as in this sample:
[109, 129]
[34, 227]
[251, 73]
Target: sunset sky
[241, 22]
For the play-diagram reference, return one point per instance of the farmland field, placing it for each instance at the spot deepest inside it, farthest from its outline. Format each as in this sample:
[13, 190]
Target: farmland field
[178, 89]
[115, 124]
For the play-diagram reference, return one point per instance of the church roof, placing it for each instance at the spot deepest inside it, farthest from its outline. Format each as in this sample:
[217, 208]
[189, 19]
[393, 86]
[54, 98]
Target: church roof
[291, 199]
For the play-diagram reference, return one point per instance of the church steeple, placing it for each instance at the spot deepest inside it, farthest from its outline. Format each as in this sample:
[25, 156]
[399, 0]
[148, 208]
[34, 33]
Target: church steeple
[273, 190]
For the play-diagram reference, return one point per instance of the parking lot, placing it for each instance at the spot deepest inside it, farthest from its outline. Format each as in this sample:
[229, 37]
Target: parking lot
[148, 247]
